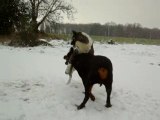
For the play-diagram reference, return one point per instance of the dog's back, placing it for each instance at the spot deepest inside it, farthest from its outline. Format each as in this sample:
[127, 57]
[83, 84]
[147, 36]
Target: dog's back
[87, 64]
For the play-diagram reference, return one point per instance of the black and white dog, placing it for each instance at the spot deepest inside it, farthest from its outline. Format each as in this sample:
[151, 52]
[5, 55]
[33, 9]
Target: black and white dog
[82, 43]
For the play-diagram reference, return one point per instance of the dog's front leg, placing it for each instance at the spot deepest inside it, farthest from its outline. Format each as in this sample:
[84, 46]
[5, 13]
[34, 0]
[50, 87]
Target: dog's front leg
[87, 95]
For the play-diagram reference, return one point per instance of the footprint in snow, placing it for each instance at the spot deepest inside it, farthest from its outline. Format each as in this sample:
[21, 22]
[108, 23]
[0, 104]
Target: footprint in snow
[151, 63]
[2, 93]
[26, 90]
[39, 84]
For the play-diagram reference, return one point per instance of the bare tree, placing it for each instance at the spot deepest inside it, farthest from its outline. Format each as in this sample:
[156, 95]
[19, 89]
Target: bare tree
[48, 10]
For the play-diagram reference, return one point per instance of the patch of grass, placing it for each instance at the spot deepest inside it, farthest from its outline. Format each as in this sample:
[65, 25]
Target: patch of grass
[48, 36]
[52, 36]
[6, 39]
[122, 40]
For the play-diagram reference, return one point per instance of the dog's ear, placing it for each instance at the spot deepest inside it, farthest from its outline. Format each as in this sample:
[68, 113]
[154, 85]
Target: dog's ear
[74, 32]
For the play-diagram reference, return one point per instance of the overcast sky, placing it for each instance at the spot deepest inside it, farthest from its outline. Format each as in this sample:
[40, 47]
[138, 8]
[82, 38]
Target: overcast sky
[145, 12]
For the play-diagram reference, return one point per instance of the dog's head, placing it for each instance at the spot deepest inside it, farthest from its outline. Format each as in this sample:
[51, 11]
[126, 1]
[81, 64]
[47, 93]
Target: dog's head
[79, 36]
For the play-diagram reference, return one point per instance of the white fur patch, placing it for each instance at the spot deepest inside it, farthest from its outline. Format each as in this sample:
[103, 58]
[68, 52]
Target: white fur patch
[83, 47]
[89, 38]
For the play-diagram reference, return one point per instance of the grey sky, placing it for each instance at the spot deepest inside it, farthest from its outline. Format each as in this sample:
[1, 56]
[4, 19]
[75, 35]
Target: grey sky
[145, 12]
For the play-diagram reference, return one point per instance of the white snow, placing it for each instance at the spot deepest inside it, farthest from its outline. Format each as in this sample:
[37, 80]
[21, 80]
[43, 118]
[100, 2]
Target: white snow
[33, 84]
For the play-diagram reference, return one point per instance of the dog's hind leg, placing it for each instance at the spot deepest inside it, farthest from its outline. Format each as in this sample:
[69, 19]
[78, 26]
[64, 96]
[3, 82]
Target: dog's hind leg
[108, 90]
[91, 95]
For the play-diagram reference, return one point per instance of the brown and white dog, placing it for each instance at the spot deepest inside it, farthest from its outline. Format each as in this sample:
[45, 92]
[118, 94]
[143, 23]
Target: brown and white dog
[82, 43]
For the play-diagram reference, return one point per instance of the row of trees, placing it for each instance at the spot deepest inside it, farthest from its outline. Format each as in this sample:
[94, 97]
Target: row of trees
[109, 29]
[25, 16]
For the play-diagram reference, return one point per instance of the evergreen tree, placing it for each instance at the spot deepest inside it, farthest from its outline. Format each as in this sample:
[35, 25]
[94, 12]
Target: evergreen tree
[13, 13]
[6, 12]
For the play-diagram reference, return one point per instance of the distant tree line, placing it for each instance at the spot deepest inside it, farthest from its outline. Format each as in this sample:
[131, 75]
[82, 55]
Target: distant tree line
[109, 29]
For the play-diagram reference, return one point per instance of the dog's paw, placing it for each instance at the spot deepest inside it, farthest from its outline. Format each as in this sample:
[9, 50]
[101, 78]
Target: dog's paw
[92, 97]
[65, 57]
[108, 105]
[79, 107]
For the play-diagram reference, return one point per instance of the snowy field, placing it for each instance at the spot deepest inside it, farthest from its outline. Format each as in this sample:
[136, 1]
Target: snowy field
[33, 84]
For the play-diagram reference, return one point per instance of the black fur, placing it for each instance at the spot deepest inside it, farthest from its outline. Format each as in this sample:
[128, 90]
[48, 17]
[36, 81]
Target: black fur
[67, 57]
[87, 66]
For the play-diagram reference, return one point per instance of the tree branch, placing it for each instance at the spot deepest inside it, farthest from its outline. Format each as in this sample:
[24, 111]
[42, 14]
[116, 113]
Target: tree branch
[48, 12]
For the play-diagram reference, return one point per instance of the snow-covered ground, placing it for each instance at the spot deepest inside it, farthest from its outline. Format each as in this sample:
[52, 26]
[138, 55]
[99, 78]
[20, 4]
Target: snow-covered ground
[33, 84]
